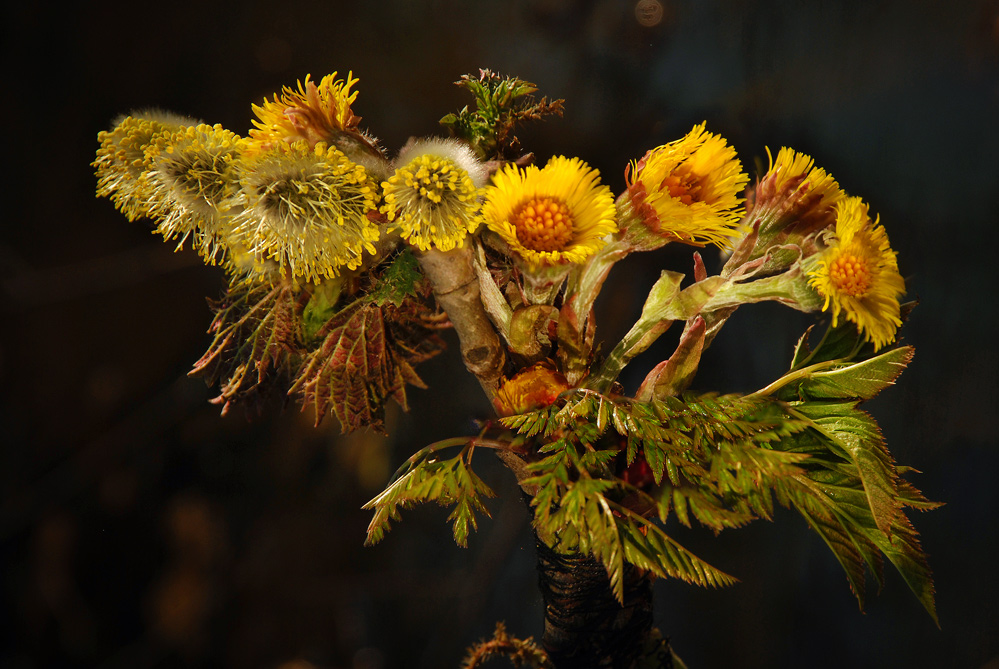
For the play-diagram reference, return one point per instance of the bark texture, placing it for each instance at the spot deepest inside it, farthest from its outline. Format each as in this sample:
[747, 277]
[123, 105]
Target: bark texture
[585, 626]
[456, 287]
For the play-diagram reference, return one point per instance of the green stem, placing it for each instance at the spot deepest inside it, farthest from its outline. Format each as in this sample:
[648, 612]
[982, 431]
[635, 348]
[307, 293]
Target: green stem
[639, 337]
[790, 377]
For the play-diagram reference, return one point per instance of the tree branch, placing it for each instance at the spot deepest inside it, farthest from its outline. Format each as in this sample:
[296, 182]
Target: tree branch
[456, 287]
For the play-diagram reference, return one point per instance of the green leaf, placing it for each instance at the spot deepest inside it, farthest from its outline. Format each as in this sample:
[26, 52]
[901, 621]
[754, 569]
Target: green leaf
[402, 279]
[910, 496]
[647, 546]
[903, 551]
[500, 104]
[586, 520]
[655, 456]
[851, 495]
[851, 549]
[446, 482]
[856, 434]
[858, 380]
[321, 307]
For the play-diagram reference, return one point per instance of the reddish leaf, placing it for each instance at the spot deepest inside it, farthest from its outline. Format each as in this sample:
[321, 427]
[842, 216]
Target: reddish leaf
[366, 357]
[256, 334]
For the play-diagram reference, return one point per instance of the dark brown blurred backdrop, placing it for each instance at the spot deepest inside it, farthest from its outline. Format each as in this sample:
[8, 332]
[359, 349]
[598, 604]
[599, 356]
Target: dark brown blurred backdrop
[140, 529]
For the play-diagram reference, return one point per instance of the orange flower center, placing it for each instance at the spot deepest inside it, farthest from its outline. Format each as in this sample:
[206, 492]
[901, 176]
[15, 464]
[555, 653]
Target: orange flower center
[683, 185]
[850, 275]
[543, 224]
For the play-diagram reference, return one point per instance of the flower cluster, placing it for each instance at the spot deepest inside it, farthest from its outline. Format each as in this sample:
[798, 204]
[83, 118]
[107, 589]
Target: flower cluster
[192, 179]
[122, 162]
[307, 209]
[344, 265]
[309, 194]
[800, 213]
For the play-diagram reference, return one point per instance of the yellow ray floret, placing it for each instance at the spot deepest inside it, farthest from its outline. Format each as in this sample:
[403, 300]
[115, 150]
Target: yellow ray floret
[795, 193]
[307, 209]
[432, 199]
[689, 189]
[311, 114]
[795, 172]
[858, 274]
[555, 215]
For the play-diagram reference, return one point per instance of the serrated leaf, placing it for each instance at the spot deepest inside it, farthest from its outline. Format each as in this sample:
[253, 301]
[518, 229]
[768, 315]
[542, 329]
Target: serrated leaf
[647, 546]
[256, 333]
[846, 496]
[859, 380]
[446, 482]
[850, 549]
[352, 372]
[656, 458]
[910, 496]
[400, 280]
[501, 103]
[859, 437]
[365, 357]
[904, 551]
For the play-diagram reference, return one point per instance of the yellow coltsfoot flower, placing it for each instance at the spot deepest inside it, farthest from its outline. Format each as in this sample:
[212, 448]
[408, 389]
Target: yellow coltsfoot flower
[311, 114]
[687, 191]
[121, 164]
[794, 194]
[556, 215]
[307, 209]
[432, 199]
[193, 176]
[858, 274]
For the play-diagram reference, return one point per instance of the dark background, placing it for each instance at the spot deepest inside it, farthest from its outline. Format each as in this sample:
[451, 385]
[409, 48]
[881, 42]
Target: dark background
[139, 529]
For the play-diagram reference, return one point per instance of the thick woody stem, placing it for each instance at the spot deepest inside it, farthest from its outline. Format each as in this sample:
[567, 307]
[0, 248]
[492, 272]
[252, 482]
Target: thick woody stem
[585, 626]
[456, 287]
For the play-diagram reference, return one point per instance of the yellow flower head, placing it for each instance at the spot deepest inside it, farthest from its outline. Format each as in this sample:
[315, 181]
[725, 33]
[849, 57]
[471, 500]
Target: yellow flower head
[193, 177]
[433, 198]
[121, 163]
[312, 113]
[795, 193]
[688, 190]
[555, 215]
[858, 274]
[307, 209]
